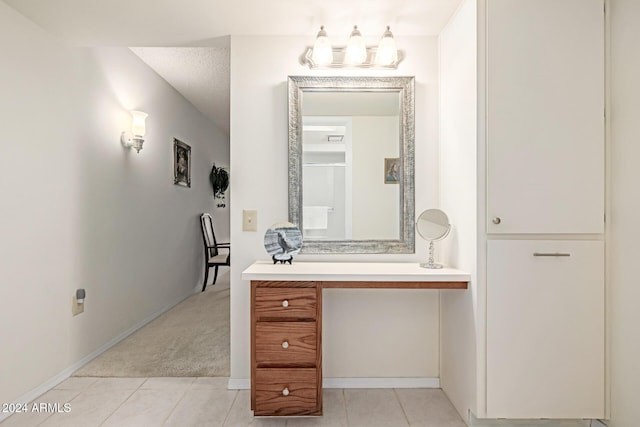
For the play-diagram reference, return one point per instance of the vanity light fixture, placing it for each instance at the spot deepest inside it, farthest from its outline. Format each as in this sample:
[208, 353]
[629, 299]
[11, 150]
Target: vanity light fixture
[356, 50]
[387, 52]
[135, 137]
[322, 51]
[355, 54]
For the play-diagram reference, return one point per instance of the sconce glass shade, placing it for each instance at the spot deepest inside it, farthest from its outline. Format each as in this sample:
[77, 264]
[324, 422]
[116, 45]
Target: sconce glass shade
[356, 50]
[387, 52]
[138, 127]
[135, 137]
[322, 50]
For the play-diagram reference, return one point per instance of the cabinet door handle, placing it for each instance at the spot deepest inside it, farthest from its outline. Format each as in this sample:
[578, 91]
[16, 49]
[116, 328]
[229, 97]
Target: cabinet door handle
[285, 344]
[285, 392]
[554, 254]
[285, 303]
[496, 220]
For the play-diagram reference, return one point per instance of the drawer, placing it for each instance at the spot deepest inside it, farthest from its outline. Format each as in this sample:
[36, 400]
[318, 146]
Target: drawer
[286, 392]
[285, 303]
[286, 343]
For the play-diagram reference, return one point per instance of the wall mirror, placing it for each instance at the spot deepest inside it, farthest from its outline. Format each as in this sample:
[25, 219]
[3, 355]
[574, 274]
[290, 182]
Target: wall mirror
[351, 163]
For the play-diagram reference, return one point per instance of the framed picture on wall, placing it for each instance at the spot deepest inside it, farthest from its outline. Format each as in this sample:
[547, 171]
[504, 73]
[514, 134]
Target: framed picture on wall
[392, 171]
[181, 163]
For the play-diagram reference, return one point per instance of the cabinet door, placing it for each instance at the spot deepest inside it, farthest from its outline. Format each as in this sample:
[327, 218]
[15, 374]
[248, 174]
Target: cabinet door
[545, 329]
[545, 116]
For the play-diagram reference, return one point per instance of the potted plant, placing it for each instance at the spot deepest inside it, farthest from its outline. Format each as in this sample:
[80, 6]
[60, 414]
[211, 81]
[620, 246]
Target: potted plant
[219, 178]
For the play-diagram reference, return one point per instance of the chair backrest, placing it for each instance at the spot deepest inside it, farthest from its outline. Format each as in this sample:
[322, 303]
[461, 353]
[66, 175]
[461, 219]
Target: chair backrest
[208, 235]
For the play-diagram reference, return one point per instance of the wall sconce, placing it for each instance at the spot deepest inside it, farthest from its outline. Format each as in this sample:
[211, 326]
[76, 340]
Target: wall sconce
[135, 137]
[355, 54]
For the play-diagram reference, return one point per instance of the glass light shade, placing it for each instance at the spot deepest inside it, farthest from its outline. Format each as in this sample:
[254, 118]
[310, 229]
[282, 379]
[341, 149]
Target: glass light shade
[138, 127]
[322, 50]
[356, 51]
[387, 52]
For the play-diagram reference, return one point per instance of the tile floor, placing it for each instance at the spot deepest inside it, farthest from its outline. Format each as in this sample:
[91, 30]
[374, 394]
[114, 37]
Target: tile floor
[148, 402]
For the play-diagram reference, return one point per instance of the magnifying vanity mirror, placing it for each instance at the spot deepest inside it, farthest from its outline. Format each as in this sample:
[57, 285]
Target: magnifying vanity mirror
[351, 163]
[432, 225]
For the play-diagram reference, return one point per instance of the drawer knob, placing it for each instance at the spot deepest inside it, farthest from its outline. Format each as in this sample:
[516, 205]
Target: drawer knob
[496, 220]
[285, 344]
[285, 303]
[285, 392]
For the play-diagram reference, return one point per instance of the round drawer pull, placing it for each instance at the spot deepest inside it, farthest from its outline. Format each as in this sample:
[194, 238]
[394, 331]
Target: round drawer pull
[285, 303]
[285, 344]
[496, 220]
[285, 392]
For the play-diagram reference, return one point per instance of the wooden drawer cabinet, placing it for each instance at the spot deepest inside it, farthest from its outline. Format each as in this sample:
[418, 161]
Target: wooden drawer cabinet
[286, 343]
[286, 350]
[285, 303]
[287, 392]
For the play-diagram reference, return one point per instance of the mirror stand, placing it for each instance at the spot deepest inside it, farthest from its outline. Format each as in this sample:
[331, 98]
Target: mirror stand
[430, 263]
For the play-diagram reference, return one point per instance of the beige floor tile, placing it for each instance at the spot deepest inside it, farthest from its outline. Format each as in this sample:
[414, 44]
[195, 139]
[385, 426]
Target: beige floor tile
[145, 408]
[90, 408]
[76, 383]
[202, 407]
[34, 418]
[117, 384]
[333, 410]
[175, 383]
[428, 408]
[242, 416]
[373, 408]
[219, 383]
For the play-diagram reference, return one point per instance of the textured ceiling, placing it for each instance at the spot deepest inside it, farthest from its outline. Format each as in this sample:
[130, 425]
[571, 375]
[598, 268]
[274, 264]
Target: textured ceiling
[202, 75]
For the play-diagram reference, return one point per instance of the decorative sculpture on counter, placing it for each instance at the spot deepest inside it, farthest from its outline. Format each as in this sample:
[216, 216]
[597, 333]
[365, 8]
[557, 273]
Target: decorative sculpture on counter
[282, 241]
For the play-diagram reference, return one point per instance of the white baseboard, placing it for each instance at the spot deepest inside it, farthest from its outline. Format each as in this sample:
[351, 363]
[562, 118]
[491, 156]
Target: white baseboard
[419, 382]
[63, 375]
[482, 422]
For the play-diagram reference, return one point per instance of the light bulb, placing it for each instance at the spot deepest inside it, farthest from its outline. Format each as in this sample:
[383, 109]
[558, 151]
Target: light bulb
[387, 52]
[356, 51]
[322, 51]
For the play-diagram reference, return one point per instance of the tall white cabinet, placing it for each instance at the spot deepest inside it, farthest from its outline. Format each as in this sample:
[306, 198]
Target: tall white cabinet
[538, 299]
[545, 116]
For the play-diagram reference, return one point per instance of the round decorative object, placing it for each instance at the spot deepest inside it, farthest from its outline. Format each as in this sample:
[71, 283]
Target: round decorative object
[282, 241]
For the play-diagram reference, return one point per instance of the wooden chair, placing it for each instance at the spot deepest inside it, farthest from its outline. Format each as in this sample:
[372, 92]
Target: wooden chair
[212, 257]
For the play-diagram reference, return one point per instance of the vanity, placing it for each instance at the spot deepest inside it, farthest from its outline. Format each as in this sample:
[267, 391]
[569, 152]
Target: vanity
[286, 323]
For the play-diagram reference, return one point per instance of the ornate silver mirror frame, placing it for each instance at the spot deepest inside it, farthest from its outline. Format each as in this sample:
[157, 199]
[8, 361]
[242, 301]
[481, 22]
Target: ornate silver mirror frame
[405, 87]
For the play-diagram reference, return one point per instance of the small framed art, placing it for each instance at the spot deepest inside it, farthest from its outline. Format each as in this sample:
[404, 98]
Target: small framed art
[181, 163]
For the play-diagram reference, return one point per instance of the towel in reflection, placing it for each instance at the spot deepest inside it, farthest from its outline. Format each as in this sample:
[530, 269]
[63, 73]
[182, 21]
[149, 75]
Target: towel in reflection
[315, 217]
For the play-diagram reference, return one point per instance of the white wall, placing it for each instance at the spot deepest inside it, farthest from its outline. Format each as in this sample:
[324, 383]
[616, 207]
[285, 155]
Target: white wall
[624, 210]
[367, 333]
[80, 211]
[459, 198]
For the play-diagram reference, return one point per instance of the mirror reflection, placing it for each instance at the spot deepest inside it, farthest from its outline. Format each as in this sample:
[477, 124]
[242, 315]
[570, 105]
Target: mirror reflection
[351, 163]
[346, 138]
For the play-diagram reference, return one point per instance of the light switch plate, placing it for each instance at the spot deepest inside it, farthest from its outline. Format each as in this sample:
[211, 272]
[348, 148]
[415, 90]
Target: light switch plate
[249, 220]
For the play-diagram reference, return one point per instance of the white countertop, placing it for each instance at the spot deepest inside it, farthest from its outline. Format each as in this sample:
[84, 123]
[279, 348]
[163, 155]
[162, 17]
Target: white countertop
[352, 271]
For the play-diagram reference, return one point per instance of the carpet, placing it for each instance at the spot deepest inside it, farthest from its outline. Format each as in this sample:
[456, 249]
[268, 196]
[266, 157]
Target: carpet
[190, 340]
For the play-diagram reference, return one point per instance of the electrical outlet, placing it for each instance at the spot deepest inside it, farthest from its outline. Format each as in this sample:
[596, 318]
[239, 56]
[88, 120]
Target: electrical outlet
[75, 307]
[249, 220]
